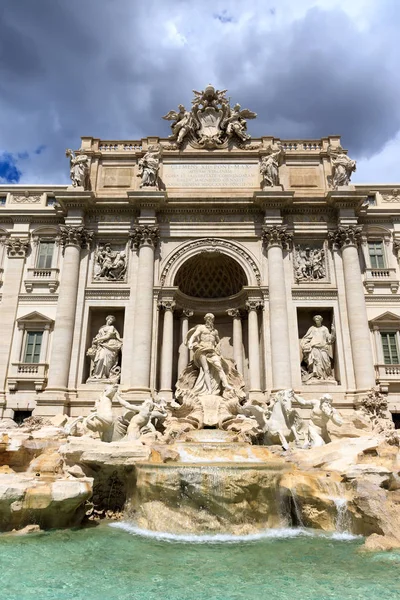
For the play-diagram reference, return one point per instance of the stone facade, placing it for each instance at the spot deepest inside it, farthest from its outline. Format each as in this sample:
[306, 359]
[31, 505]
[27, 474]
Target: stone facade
[207, 231]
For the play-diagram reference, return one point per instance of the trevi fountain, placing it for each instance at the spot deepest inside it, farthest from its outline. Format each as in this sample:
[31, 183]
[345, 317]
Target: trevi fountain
[201, 399]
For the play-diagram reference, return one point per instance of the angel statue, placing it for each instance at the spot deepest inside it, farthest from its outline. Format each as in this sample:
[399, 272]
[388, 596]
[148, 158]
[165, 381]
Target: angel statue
[79, 169]
[342, 166]
[183, 123]
[236, 122]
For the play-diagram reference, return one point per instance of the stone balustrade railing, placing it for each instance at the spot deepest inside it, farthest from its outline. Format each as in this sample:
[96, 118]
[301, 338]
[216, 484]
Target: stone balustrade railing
[20, 372]
[120, 147]
[388, 371]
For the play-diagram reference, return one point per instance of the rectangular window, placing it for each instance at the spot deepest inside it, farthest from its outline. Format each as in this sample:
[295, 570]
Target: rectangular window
[390, 349]
[33, 346]
[45, 255]
[376, 255]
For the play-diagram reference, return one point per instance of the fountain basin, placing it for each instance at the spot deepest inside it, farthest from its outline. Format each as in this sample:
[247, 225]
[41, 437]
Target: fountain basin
[221, 497]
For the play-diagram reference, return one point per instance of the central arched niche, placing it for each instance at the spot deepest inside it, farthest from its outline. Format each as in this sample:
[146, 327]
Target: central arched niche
[209, 275]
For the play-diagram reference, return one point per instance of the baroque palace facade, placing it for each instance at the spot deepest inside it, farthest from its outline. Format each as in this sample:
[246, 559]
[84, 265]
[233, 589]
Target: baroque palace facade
[102, 280]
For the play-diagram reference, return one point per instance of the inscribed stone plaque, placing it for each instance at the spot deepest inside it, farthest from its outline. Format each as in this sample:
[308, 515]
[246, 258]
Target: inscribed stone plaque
[117, 177]
[304, 177]
[210, 175]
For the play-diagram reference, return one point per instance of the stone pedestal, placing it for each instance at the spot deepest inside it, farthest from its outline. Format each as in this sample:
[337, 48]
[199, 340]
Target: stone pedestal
[275, 239]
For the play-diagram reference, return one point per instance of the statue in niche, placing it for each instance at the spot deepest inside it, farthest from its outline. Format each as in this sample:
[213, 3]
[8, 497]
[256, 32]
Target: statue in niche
[317, 353]
[210, 390]
[322, 412]
[110, 265]
[309, 263]
[342, 167]
[79, 169]
[205, 343]
[104, 353]
[149, 166]
[269, 166]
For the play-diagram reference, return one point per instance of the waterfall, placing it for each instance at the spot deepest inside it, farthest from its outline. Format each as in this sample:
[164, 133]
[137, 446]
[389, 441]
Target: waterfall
[342, 516]
[295, 508]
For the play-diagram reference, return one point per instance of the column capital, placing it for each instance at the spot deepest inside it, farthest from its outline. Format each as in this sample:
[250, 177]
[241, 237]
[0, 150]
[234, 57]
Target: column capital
[276, 235]
[186, 312]
[70, 235]
[346, 235]
[17, 247]
[234, 312]
[166, 304]
[144, 235]
[254, 304]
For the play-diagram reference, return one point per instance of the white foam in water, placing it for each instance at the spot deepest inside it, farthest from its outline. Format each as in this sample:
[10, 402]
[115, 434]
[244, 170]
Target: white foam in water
[218, 538]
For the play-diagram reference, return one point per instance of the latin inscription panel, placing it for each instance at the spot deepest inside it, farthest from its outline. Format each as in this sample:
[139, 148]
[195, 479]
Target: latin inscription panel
[210, 175]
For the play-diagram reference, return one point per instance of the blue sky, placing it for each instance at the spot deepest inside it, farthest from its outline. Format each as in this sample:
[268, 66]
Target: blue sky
[112, 68]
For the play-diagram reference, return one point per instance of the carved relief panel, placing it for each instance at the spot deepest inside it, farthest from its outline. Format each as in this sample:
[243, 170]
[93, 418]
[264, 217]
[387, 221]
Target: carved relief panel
[110, 262]
[310, 263]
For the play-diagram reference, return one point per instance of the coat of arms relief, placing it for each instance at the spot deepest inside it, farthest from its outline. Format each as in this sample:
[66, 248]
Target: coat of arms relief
[211, 122]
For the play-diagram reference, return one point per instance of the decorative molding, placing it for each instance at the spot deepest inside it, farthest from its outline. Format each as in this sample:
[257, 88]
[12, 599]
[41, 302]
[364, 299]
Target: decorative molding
[277, 235]
[210, 245]
[17, 247]
[144, 234]
[303, 294]
[96, 294]
[346, 235]
[38, 298]
[25, 198]
[374, 298]
[186, 312]
[74, 236]
[394, 197]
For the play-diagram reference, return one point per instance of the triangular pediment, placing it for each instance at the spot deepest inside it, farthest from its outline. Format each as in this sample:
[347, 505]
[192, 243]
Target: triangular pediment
[386, 318]
[34, 317]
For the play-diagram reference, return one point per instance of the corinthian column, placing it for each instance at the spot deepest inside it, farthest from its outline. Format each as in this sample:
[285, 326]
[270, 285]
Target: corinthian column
[144, 238]
[17, 250]
[347, 239]
[183, 349]
[254, 346]
[72, 239]
[237, 338]
[275, 239]
[167, 347]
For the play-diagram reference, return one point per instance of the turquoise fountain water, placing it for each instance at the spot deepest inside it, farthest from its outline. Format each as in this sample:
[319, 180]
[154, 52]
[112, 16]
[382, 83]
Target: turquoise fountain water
[114, 564]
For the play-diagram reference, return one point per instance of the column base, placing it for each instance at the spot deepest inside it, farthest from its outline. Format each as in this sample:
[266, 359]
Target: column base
[137, 395]
[166, 394]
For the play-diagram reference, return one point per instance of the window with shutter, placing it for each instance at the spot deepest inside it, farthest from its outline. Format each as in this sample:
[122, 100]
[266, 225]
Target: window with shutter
[45, 255]
[33, 346]
[390, 349]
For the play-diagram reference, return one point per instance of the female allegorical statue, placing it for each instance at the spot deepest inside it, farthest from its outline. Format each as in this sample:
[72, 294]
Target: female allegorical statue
[104, 351]
[317, 353]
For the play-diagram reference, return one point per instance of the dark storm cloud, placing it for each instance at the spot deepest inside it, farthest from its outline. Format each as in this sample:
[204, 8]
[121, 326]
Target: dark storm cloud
[111, 68]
